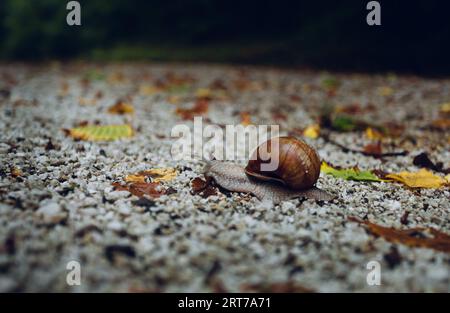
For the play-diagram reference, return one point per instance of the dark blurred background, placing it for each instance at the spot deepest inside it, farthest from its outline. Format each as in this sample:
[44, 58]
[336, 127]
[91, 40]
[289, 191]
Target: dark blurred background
[414, 35]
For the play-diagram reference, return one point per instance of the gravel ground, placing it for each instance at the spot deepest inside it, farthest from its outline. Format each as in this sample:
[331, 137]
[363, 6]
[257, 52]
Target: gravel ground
[61, 206]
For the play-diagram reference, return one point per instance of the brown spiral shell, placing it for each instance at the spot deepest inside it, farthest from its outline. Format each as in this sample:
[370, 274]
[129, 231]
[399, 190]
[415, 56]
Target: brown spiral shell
[298, 166]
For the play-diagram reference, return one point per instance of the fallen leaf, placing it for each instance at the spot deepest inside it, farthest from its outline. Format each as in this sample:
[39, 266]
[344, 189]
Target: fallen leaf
[246, 118]
[204, 93]
[445, 108]
[140, 189]
[121, 107]
[64, 91]
[441, 124]
[312, 131]
[100, 133]
[331, 83]
[156, 175]
[349, 174]
[420, 179]
[373, 134]
[87, 101]
[348, 109]
[385, 91]
[173, 99]
[282, 287]
[116, 78]
[413, 237]
[149, 90]
[345, 123]
[94, 74]
[373, 149]
[203, 188]
[200, 108]
[16, 172]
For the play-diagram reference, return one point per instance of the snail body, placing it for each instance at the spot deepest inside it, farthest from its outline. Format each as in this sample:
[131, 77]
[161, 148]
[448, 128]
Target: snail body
[297, 172]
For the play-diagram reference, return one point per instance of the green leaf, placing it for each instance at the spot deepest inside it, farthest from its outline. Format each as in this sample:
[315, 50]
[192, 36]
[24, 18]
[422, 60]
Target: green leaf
[349, 174]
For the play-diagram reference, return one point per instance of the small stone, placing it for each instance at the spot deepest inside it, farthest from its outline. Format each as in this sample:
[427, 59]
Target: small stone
[115, 225]
[52, 213]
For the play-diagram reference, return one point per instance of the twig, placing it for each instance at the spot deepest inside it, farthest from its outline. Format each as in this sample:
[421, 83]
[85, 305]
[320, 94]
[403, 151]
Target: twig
[327, 138]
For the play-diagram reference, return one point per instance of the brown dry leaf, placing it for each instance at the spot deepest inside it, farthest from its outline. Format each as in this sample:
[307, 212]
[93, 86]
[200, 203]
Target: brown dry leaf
[385, 91]
[173, 99]
[420, 179]
[86, 101]
[441, 124]
[140, 189]
[246, 118]
[201, 107]
[156, 175]
[203, 188]
[121, 107]
[373, 149]
[349, 109]
[116, 78]
[282, 287]
[64, 91]
[413, 237]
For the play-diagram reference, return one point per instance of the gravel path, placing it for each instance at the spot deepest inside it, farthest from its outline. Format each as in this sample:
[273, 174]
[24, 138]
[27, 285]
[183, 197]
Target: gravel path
[57, 203]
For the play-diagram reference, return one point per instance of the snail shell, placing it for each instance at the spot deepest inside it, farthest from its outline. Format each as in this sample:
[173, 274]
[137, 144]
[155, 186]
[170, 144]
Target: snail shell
[298, 163]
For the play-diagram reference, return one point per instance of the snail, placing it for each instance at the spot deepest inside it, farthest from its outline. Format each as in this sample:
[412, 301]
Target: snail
[295, 175]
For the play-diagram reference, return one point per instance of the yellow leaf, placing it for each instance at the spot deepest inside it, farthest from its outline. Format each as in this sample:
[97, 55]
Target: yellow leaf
[16, 172]
[445, 107]
[447, 179]
[121, 107]
[203, 93]
[174, 99]
[157, 175]
[101, 133]
[116, 78]
[148, 90]
[312, 131]
[135, 178]
[373, 134]
[385, 91]
[86, 101]
[420, 179]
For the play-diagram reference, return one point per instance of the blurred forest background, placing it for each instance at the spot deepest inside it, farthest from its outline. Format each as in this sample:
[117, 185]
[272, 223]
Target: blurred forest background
[414, 35]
